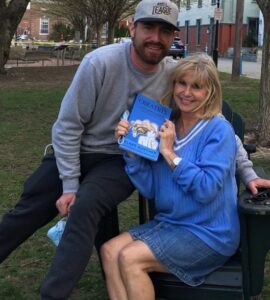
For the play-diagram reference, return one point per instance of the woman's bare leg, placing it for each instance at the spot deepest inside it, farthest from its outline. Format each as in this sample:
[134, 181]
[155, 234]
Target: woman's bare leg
[136, 261]
[110, 260]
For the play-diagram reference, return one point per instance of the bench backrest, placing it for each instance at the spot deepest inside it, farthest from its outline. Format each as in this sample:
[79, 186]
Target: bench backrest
[235, 119]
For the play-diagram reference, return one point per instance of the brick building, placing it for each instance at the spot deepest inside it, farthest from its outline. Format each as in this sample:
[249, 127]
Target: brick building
[197, 23]
[38, 21]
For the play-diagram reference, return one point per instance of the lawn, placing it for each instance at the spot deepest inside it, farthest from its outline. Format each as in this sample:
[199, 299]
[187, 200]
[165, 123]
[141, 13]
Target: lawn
[29, 106]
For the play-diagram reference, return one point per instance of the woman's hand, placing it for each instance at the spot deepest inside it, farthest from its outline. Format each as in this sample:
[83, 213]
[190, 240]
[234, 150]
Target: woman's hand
[167, 137]
[121, 128]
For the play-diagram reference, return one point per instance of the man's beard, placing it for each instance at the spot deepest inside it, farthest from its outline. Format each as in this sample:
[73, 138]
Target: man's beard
[145, 56]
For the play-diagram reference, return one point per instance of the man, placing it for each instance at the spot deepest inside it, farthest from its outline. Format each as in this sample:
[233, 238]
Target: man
[85, 177]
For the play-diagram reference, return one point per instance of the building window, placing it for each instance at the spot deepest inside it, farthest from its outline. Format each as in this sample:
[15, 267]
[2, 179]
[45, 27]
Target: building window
[188, 4]
[198, 31]
[199, 3]
[44, 26]
[186, 32]
[213, 2]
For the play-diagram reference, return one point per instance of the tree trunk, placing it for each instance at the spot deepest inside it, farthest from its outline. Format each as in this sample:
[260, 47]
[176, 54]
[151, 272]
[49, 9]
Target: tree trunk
[5, 42]
[264, 100]
[236, 68]
[98, 34]
[10, 17]
[110, 38]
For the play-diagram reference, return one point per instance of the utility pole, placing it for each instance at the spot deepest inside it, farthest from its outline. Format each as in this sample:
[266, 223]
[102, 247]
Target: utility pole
[237, 60]
[215, 51]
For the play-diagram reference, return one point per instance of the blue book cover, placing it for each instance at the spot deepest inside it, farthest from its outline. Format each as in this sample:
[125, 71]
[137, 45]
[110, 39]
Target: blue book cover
[145, 118]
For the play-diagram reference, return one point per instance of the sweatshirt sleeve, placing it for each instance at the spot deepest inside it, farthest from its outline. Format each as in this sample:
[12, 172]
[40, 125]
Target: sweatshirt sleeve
[204, 178]
[244, 166]
[140, 173]
[75, 111]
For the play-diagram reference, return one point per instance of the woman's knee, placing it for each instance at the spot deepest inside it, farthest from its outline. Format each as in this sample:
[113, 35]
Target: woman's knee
[127, 260]
[110, 250]
[136, 258]
[109, 254]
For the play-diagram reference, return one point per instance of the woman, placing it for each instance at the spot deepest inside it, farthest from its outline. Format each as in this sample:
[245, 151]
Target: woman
[196, 228]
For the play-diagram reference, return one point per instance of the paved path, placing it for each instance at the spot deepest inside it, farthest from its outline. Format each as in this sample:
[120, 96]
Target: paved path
[249, 69]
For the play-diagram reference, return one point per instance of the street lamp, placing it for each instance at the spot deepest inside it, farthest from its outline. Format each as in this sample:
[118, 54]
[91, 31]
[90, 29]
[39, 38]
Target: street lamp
[215, 51]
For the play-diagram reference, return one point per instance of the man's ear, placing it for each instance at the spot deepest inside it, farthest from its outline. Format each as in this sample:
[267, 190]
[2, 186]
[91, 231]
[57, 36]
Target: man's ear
[131, 28]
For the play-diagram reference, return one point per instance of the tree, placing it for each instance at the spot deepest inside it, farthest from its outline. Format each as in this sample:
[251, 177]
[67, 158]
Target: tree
[72, 12]
[61, 31]
[264, 97]
[11, 13]
[96, 13]
[121, 31]
[91, 14]
[116, 10]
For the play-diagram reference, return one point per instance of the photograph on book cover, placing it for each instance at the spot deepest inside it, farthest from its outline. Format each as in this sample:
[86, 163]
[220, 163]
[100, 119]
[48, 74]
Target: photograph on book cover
[145, 118]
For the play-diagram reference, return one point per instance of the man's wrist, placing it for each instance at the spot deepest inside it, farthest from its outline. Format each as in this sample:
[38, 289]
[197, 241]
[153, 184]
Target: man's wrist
[70, 185]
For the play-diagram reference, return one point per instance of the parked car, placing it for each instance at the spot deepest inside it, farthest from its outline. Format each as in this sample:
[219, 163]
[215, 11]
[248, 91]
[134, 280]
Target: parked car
[125, 40]
[22, 37]
[177, 48]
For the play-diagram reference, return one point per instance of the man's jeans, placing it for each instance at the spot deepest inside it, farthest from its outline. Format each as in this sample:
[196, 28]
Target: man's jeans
[103, 185]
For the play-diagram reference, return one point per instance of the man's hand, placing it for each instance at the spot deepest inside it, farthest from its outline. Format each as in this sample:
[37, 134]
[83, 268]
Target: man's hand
[65, 202]
[257, 183]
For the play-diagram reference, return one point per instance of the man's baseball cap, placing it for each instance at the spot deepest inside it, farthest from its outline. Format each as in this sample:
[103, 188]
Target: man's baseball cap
[157, 11]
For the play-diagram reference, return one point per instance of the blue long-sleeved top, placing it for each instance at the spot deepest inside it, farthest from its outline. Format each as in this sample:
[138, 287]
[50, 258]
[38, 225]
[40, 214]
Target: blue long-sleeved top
[200, 193]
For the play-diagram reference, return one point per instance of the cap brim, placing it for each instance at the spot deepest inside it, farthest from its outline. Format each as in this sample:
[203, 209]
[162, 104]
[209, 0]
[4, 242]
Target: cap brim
[157, 20]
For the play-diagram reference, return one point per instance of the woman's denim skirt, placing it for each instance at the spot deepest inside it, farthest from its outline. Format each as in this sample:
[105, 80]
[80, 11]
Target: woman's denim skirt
[181, 252]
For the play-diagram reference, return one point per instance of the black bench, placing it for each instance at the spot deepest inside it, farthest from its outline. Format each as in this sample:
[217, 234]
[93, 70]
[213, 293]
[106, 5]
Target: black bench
[24, 55]
[37, 55]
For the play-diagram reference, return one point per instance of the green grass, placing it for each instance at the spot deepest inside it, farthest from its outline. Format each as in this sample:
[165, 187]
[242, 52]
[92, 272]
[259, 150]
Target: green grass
[243, 96]
[27, 114]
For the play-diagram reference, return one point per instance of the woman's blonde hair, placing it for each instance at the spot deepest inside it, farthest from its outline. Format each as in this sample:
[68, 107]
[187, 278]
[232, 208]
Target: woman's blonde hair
[205, 75]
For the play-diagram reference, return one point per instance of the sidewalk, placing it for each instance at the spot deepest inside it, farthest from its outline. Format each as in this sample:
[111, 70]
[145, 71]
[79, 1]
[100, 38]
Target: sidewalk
[249, 69]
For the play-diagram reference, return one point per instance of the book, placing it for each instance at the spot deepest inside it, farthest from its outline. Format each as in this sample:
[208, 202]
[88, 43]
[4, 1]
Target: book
[145, 118]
